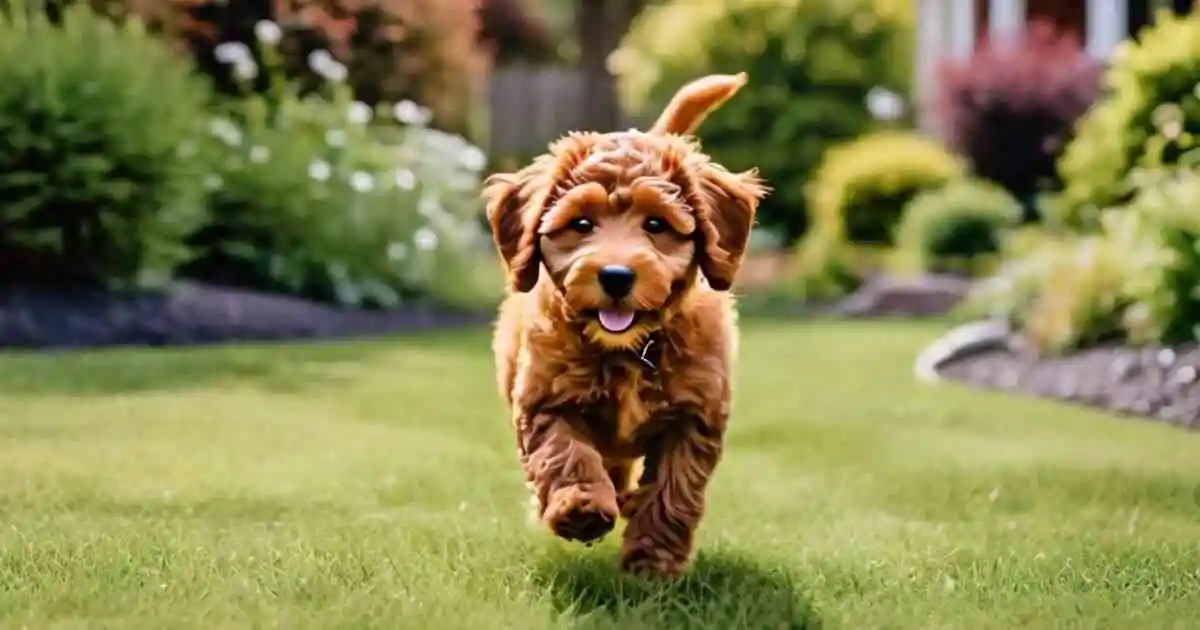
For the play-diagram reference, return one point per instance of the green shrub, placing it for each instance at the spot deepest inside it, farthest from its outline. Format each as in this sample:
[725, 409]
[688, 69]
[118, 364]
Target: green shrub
[1149, 116]
[954, 227]
[811, 65]
[104, 151]
[310, 199]
[1160, 233]
[826, 268]
[861, 188]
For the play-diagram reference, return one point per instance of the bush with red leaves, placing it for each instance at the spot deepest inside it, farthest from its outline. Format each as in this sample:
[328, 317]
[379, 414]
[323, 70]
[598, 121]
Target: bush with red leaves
[434, 52]
[428, 51]
[1011, 108]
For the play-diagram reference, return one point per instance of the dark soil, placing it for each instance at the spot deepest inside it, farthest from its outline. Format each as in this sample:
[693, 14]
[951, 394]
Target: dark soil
[192, 314]
[1159, 383]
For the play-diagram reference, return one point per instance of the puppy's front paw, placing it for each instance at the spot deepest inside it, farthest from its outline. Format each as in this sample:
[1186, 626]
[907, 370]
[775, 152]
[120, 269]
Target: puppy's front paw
[582, 512]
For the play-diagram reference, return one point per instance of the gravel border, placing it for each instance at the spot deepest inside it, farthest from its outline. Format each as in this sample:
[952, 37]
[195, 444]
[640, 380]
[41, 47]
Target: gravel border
[195, 314]
[1157, 383]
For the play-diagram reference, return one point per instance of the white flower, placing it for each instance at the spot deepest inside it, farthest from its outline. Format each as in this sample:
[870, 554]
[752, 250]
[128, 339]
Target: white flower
[319, 170]
[320, 60]
[425, 239]
[259, 154]
[268, 32]
[325, 65]
[410, 113]
[226, 131]
[405, 179]
[336, 72]
[473, 159]
[245, 70]
[360, 113]
[429, 207]
[884, 104]
[397, 251]
[362, 182]
[424, 115]
[405, 111]
[335, 137]
[458, 181]
[232, 53]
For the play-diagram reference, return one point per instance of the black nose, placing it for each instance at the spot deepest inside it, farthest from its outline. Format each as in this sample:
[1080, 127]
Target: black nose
[617, 280]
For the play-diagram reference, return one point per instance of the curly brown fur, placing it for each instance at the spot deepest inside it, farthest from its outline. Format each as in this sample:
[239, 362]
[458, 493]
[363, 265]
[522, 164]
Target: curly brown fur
[587, 411]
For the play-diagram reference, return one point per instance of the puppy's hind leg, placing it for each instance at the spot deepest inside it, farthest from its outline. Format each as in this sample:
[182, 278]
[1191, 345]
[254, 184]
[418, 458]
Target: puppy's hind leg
[667, 507]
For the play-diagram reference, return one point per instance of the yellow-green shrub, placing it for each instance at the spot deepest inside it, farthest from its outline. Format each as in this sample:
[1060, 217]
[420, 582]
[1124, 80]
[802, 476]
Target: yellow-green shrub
[1160, 233]
[1149, 117]
[811, 64]
[1063, 295]
[1081, 300]
[861, 188]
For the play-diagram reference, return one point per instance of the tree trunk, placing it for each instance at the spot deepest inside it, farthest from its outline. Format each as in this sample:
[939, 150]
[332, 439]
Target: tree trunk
[600, 25]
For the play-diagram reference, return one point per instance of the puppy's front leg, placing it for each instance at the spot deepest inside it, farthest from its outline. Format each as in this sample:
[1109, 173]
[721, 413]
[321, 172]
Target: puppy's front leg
[665, 510]
[575, 496]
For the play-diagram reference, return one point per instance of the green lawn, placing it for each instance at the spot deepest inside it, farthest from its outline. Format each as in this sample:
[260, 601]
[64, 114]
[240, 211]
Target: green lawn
[374, 485]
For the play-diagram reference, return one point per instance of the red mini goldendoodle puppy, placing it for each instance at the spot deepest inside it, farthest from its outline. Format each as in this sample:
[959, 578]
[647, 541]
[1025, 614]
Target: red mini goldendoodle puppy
[616, 343]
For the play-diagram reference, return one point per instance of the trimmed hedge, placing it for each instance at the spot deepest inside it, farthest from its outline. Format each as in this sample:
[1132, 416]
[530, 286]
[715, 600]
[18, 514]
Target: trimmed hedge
[862, 187]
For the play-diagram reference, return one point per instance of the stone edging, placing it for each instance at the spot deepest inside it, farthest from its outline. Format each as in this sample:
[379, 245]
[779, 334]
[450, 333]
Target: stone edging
[960, 342]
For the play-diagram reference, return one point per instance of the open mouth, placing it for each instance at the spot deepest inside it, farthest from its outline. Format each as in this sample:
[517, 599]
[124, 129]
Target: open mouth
[616, 320]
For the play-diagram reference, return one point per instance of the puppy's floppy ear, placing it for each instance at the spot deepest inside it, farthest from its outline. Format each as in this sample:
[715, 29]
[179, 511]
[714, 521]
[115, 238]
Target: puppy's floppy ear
[514, 228]
[730, 203]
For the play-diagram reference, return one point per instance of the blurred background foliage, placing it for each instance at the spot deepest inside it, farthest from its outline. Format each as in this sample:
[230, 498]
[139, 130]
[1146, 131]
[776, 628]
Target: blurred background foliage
[333, 149]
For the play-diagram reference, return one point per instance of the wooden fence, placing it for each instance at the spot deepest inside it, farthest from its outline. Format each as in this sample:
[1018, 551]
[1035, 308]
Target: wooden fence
[529, 106]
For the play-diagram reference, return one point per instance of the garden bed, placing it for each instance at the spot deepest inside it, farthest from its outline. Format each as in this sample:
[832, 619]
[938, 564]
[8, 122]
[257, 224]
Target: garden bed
[192, 314]
[1155, 382]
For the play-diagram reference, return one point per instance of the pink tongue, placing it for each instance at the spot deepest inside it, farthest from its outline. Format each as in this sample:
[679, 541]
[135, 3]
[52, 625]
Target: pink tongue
[616, 321]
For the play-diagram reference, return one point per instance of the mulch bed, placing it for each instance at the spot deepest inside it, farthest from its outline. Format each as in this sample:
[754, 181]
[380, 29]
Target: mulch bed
[883, 295]
[1158, 383]
[193, 314]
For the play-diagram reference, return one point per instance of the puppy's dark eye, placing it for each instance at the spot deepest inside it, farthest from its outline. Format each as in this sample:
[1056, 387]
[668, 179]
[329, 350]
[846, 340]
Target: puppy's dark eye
[581, 225]
[655, 225]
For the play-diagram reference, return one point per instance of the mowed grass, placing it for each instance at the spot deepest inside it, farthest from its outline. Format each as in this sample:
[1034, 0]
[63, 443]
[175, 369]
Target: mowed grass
[374, 485]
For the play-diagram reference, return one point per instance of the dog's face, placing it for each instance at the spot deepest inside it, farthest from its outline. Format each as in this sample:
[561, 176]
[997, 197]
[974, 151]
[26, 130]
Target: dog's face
[622, 225]
[619, 252]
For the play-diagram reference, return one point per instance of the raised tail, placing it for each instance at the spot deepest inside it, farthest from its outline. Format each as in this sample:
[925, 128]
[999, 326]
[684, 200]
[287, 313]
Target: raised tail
[693, 102]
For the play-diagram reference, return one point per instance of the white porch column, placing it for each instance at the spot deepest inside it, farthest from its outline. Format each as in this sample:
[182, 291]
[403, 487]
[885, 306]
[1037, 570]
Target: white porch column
[962, 28]
[1106, 26]
[1006, 20]
[931, 47]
